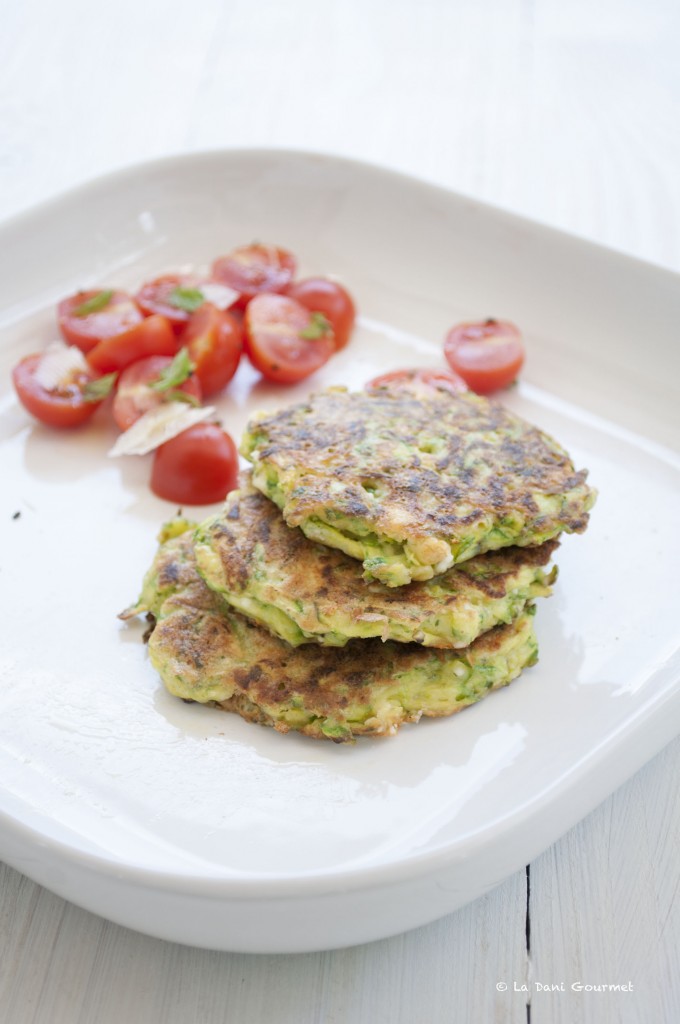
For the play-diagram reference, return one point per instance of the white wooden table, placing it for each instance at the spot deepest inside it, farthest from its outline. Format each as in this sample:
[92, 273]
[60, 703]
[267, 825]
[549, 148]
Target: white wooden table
[567, 113]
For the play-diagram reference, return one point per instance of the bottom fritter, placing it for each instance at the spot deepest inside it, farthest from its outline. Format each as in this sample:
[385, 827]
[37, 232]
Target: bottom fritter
[206, 652]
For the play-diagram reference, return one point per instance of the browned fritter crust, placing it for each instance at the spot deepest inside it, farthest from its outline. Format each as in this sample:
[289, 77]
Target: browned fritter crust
[250, 555]
[206, 652]
[412, 467]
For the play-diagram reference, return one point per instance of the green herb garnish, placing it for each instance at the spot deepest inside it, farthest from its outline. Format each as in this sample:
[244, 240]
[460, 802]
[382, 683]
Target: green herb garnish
[318, 327]
[188, 299]
[175, 395]
[174, 375]
[93, 305]
[97, 390]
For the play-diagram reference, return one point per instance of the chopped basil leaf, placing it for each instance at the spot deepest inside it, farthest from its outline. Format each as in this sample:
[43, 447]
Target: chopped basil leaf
[174, 395]
[179, 370]
[188, 299]
[318, 327]
[97, 390]
[93, 305]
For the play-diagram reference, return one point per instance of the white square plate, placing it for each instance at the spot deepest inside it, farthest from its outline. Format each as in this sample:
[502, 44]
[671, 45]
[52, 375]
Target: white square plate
[197, 827]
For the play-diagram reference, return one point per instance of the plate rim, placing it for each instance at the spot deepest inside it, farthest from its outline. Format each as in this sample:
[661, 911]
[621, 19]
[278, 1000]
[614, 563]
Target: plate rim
[130, 170]
[409, 866]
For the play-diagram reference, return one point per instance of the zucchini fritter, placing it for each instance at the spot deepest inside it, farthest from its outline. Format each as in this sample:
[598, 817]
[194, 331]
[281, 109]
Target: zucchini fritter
[411, 484]
[303, 591]
[206, 652]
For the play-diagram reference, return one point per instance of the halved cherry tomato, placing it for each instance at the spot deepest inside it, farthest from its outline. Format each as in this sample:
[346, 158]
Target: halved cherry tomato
[174, 296]
[284, 341]
[198, 467]
[487, 354]
[256, 268]
[87, 318]
[214, 339]
[134, 396]
[65, 405]
[418, 381]
[331, 299]
[153, 336]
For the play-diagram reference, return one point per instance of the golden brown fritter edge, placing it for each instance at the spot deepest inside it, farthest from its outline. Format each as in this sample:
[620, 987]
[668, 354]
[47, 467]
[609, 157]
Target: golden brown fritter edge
[207, 653]
[306, 592]
[426, 480]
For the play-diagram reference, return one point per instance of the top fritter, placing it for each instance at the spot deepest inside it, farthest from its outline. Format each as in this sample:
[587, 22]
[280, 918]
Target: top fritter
[409, 485]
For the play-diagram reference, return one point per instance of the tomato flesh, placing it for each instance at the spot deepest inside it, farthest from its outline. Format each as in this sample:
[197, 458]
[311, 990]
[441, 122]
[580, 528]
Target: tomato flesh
[256, 268]
[153, 336]
[156, 297]
[487, 354]
[120, 313]
[330, 298]
[214, 339]
[274, 342]
[63, 406]
[198, 467]
[419, 381]
[134, 396]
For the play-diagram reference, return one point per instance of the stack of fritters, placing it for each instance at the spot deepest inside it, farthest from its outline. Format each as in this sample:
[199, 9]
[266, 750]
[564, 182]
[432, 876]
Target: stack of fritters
[379, 563]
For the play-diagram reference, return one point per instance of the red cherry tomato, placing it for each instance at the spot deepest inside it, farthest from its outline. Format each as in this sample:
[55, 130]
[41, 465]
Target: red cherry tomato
[256, 268]
[111, 312]
[275, 339]
[63, 406]
[488, 355]
[198, 467]
[153, 336]
[171, 296]
[134, 396]
[331, 299]
[214, 339]
[418, 381]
